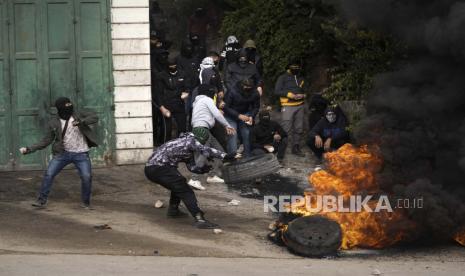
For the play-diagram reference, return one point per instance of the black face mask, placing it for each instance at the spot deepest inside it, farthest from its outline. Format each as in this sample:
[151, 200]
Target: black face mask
[65, 108]
[187, 51]
[173, 70]
[265, 119]
[247, 91]
[243, 63]
[295, 71]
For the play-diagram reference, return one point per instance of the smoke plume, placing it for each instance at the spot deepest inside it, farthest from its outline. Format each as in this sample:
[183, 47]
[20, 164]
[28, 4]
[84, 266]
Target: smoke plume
[417, 112]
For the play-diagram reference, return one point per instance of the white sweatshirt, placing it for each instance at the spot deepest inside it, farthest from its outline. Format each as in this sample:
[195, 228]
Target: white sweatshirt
[205, 113]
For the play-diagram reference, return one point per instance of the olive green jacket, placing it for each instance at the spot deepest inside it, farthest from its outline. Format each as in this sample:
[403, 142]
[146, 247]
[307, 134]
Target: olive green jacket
[54, 132]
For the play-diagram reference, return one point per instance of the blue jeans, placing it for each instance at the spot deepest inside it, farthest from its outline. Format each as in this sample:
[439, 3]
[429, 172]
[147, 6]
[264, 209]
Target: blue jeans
[241, 129]
[56, 165]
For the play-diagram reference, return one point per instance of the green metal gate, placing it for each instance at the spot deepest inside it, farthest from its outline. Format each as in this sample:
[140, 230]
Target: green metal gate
[52, 48]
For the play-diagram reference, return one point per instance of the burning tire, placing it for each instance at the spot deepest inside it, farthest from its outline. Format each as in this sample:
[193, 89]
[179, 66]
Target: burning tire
[250, 168]
[313, 236]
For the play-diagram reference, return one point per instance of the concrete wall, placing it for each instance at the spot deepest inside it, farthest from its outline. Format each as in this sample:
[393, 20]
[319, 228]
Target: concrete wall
[131, 71]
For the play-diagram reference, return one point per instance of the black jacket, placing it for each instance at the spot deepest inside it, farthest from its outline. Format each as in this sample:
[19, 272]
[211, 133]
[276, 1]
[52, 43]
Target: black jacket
[168, 88]
[236, 103]
[54, 132]
[335, 131]
[263, 134]
[236, 73]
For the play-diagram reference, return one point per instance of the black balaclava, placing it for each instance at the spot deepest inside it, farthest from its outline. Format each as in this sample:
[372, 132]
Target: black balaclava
[187, 49]
[331, 115]
[242, 59]
[64, 107]
[195, 40]
[207, 90]
[161, 56]
[199, 12]
[251, 54]
[247, 87]
[265, 118]
[294, 66]
[172, 66]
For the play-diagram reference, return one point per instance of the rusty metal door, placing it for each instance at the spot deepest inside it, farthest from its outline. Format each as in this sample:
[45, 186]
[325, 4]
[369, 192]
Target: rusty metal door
[52, 48]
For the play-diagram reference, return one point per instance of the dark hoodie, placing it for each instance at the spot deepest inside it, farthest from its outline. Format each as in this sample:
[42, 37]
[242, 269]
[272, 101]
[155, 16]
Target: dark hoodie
[189, 63]
[336, 130]
[239, 102]
[240, 71]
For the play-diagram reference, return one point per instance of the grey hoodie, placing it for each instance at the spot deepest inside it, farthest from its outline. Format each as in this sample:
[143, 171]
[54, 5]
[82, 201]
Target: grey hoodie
[205, 113]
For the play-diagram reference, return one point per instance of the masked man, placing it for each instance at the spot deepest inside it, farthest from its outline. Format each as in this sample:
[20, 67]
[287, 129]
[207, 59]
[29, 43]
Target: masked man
[162, 168]
[241, 108]
[330, 133]
[241, 70]
[229, 52]
[268, 136]
[72, 138]
[291, 89]
[170, 93]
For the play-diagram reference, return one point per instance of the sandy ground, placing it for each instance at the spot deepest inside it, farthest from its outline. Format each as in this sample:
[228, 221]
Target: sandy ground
[63, 234]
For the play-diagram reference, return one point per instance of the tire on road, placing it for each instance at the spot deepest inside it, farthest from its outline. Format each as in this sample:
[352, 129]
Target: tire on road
[313, 236]
[250, 168]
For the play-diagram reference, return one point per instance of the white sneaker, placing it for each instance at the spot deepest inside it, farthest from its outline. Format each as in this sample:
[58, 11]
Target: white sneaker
[196, 184]
[215, 180]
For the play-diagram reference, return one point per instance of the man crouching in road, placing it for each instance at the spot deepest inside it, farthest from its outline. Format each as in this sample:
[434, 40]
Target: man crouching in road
[72, 138]
[162, 168]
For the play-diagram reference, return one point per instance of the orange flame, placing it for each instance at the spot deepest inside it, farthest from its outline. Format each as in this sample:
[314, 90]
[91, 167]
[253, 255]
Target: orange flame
[460, 237]
[351, 171]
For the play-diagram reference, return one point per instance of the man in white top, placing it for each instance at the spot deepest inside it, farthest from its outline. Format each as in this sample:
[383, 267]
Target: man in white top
[205, 114]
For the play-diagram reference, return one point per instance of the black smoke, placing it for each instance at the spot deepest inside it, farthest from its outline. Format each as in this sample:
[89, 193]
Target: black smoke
[417, 112]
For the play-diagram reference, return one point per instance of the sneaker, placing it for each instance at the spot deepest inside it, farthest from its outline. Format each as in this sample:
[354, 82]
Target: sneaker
[40, 203]
[215, 180]
[196, 184]
[86, 206]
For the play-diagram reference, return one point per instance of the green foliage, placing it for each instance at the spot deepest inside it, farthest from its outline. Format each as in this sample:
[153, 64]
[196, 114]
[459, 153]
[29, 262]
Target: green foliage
[309, 29]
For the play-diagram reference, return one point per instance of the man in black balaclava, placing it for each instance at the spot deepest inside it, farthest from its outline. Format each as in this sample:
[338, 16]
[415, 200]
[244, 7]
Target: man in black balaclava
[72, 138]
[292, 88]
[241, 108]
[242, 70]
[189, 64]
[268, 136]
[170, 91]
[330, 133]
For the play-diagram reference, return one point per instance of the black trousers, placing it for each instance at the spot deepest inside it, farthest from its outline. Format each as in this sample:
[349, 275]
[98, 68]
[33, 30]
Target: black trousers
[181, 124]
[335, 144]
[170, 178]
[280, 149]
